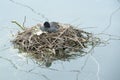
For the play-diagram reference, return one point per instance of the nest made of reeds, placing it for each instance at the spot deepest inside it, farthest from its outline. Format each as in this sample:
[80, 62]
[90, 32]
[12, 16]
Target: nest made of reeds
[64, 44]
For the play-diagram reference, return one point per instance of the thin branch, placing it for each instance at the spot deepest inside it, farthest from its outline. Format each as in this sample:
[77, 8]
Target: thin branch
[39, 74]
[15, 22]
[60, 35]
[82, 68]
[24, 21]
[98, 67]
[23, 5]
[110, 19]
[9, 61]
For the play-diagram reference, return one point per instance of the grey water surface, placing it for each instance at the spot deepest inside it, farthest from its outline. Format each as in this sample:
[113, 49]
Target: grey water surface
[91, 15]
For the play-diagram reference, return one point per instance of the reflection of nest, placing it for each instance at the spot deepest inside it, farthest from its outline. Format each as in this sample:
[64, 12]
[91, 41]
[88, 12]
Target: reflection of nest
[48, 47]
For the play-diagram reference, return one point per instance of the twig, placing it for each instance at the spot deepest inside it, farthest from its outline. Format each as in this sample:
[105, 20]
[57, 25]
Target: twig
[59, 35]
[24, 21]
[39, 74]
[110, 19]
[82, 68]
[76, 38]
[98, 67]
[9, 61]
[22, 27]
[23, 5]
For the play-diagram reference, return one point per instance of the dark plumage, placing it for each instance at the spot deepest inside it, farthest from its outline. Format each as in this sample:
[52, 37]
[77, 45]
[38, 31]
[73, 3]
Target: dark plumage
[50, 27]
[46, 24]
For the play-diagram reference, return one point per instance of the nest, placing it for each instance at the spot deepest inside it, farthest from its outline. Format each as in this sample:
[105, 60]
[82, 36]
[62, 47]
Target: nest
[45, 47]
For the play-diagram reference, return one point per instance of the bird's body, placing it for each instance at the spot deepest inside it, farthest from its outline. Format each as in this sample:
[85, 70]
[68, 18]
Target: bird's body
[50, 27]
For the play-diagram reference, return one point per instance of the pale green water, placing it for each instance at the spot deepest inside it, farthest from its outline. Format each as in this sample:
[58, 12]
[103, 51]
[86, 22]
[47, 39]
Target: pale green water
[87, 13]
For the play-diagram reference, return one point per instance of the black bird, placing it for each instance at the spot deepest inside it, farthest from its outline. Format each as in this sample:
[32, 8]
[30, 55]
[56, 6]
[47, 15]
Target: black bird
[50, 27]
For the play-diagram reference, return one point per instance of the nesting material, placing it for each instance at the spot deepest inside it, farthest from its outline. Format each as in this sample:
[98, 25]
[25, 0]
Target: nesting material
[64, 44]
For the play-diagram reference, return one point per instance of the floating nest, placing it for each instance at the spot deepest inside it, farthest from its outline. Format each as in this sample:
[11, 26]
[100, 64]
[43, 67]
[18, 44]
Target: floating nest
[65, 44]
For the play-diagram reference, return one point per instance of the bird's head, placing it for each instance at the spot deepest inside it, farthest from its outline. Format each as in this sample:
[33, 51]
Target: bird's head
[46, 24]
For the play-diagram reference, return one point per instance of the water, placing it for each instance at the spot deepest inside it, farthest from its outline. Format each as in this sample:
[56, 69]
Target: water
[88, 13]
